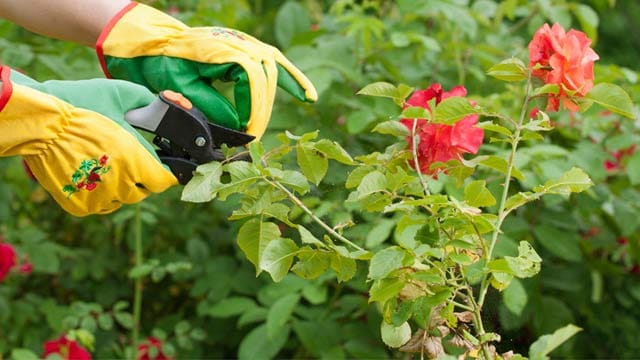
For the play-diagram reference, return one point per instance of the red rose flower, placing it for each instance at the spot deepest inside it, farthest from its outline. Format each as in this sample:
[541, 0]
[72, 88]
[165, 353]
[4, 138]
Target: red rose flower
[151, 342]
[7, 259]
[565, 59]
[91, 186]
[67, 349]
[93, 177]
[619, 158]
[103, 160]
[440, 142]
[26, 268]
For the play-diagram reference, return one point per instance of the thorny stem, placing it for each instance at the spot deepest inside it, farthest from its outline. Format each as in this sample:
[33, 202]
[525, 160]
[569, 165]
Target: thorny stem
[484, 285]
[416, 163]
[319, 221]
[137, 295]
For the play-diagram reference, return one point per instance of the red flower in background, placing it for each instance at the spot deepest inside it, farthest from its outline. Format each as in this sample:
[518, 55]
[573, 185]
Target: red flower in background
[7, 259]
[67, 349]
[619, 158]
[441, 142]
[144, 353]
[565, 59]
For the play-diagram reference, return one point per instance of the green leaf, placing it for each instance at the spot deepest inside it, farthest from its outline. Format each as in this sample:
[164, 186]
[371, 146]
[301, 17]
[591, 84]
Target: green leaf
[394, 336]
[546, 89]
[476, 194]
[334, 151]
[291, 178]
[277, 257]
[124, 319]
[633, 169]
[258, 345]
[380, 232]
[243, 174]
[515, 297]
[105, 321]
[519, 199]
[373, 182]
[384, 89]
[291, 19]
[312, 162]
[415, 112]
[452, 109]
[563, 244]
[588, 19]
[547, 343]
[199, 187]
[311, 263]
[495, 128]
[142, 270]
[280, 313]
[253, 237]
[23, 354]
[392, 127]
[574, 180]
[231, 306]
[308, 238]
[526, 264]
[344, 267]
[386, 261]
[509, 70]
[612, 97]
[499, 164]
[384, 289]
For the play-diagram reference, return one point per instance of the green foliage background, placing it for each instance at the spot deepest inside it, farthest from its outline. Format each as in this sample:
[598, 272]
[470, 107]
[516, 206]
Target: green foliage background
[202, 296]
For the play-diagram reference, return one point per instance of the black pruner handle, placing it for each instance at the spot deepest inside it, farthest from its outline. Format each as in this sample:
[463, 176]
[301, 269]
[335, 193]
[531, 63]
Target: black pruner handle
[181, 168]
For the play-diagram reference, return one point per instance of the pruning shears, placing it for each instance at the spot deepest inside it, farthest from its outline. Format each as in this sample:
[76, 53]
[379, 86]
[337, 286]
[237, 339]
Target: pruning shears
[183, 134]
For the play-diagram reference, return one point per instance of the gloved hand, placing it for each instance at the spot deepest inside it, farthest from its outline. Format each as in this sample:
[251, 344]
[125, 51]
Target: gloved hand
[85, 155]
[146, 46]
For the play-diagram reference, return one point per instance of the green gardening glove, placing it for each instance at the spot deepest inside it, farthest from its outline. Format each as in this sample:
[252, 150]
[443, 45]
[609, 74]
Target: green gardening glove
[74, 139]
[151, 48]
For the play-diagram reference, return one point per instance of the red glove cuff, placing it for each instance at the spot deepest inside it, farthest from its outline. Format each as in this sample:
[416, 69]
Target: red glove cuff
[7, 89]
[105, 32]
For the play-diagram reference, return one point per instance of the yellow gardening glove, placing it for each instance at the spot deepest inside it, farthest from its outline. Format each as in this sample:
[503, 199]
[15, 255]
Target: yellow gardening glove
[89, 163]
[151, 48]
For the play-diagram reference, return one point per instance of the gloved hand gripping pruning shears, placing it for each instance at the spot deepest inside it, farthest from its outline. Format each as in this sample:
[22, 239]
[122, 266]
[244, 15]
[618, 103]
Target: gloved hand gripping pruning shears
[183, 134]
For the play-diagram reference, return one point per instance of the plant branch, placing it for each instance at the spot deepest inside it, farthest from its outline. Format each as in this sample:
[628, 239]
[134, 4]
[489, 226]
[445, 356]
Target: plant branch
[137, 295]
[319, 221]
[416, 162]
[484, 286]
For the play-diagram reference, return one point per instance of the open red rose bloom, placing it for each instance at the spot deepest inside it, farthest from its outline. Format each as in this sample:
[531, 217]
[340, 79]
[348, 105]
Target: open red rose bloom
[565, 59]
[441, 142]
[67, 349]
[7, 259]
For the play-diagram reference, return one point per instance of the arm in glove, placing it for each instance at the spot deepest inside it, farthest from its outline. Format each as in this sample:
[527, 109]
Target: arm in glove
[151, 48]
[84, 155]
